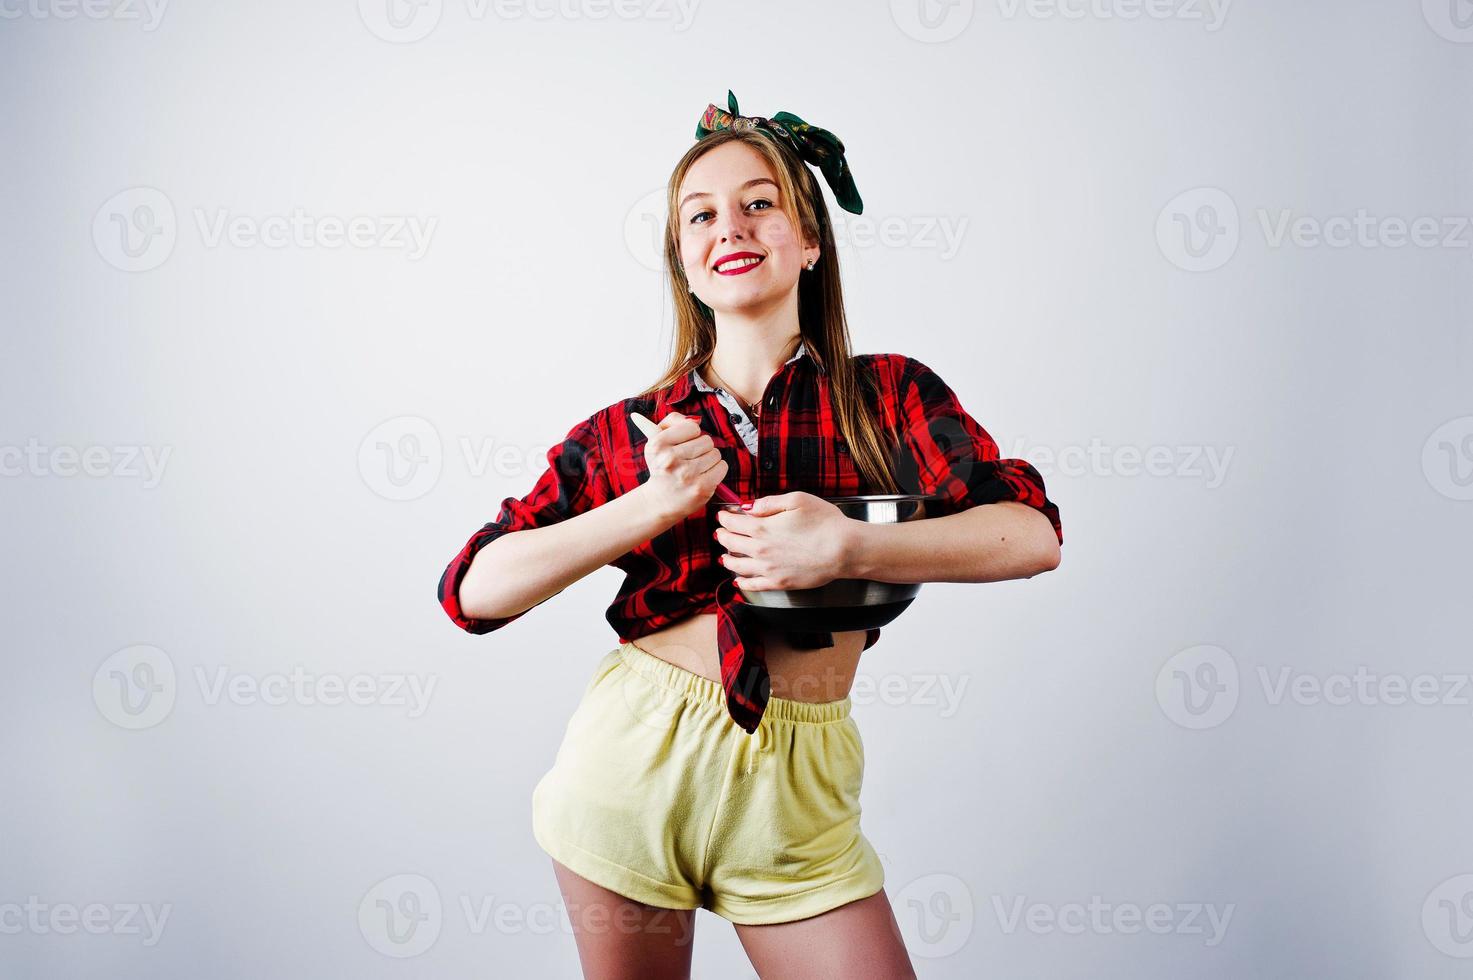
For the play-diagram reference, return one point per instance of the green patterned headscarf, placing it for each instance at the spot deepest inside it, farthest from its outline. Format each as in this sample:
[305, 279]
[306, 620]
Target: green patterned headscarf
[818, 147]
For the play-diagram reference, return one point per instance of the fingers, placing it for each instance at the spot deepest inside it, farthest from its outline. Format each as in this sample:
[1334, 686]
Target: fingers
[682, 432]
[740, 523]
[695, 451]
[737, 564]
[682, 446]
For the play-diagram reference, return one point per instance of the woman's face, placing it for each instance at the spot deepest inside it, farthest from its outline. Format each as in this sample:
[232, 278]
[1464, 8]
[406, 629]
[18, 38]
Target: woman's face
[730, 205]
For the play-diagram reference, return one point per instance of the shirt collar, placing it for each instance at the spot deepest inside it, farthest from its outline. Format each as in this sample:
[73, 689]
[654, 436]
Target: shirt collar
[690, 383]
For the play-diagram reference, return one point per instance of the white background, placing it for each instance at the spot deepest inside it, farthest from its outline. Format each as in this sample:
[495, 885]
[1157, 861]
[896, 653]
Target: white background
[1064, 146]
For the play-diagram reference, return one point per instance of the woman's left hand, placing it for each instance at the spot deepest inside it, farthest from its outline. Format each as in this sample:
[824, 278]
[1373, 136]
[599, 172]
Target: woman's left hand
[786, 541]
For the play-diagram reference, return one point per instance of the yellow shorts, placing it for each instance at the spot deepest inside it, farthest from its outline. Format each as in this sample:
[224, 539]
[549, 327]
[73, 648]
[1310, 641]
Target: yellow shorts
[658, 795]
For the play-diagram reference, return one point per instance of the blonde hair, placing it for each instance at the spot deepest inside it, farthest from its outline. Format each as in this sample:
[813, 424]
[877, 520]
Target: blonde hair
[821, 321]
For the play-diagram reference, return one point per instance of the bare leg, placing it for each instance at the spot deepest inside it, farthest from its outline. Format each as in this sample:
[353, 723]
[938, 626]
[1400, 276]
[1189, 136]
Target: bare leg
[857, 941]
[620, 939]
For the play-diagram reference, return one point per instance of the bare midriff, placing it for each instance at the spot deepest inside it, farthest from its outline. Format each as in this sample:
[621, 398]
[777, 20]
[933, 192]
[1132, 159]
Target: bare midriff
[825, 674]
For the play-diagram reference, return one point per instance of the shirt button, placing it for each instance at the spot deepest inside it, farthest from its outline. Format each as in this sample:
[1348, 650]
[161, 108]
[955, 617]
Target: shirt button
[767, 464]
[735, 418]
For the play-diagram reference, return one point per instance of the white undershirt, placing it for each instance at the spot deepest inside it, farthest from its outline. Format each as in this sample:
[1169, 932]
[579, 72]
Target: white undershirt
[744, 426]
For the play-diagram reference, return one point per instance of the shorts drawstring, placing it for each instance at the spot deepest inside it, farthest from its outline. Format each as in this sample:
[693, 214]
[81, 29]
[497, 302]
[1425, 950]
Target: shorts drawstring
[760, 736]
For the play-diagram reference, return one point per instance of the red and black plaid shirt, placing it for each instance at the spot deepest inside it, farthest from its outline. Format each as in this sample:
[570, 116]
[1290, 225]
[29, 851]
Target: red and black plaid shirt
[944, 452]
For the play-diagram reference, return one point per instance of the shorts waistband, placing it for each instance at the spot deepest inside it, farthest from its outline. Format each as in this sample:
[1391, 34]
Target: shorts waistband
[699, 688]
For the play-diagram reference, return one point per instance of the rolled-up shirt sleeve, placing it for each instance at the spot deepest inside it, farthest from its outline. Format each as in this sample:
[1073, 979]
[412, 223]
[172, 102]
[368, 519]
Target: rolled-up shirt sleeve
[954, 458]
[574, 482]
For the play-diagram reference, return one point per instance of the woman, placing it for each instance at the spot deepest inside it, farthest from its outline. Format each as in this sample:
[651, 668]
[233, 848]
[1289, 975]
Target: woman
[714, 763]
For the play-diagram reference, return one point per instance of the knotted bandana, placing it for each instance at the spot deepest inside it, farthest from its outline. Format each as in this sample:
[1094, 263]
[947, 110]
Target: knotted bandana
[815, 146]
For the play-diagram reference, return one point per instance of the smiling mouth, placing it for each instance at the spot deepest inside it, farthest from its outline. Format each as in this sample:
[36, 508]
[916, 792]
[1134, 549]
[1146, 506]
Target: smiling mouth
[735, 267]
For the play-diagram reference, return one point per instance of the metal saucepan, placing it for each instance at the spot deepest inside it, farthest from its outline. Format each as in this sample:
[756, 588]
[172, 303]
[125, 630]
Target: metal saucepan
[845, 603]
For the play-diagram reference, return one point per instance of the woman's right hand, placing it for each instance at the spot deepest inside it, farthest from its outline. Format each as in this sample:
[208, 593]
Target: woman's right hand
[684, 466]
